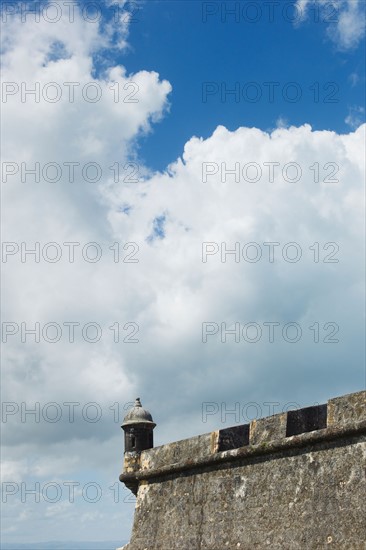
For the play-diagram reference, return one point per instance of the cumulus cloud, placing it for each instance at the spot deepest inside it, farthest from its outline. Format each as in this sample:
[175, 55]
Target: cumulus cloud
[70, 131]
[64, 125]
[203, 203]
[291, 185]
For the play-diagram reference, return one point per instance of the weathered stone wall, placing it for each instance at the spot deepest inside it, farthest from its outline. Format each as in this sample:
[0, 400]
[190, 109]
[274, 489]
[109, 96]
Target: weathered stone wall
[257, 486]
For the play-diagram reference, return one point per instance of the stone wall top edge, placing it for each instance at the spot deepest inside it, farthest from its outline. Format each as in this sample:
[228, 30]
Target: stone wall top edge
[338, 411]
[353, 431]
[196, 441]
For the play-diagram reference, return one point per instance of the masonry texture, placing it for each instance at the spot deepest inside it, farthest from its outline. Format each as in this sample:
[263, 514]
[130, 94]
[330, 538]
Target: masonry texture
[290, 481]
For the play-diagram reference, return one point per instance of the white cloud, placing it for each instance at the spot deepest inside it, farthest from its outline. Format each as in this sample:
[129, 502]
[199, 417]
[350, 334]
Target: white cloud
[355, 117]
[345, 19]
[350, 28]
[170, 292]
[282, 122]
[12, 470]
[354, 79]
[39, 451]
[59, 510]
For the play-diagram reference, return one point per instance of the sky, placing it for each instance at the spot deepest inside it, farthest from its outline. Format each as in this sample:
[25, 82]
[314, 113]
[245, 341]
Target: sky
[182, 221]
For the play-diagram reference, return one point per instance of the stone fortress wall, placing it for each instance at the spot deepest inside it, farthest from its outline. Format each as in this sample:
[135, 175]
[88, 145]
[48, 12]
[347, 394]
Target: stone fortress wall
[289, 481]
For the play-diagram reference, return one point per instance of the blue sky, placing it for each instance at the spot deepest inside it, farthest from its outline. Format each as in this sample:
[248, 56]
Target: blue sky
[176, 228]
[238, 51]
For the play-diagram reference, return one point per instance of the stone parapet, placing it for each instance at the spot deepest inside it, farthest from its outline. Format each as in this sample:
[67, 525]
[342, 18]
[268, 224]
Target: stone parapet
[341, 417]
[292, 480]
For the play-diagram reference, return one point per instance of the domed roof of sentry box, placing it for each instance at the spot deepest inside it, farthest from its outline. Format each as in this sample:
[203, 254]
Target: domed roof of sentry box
[138, 415]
